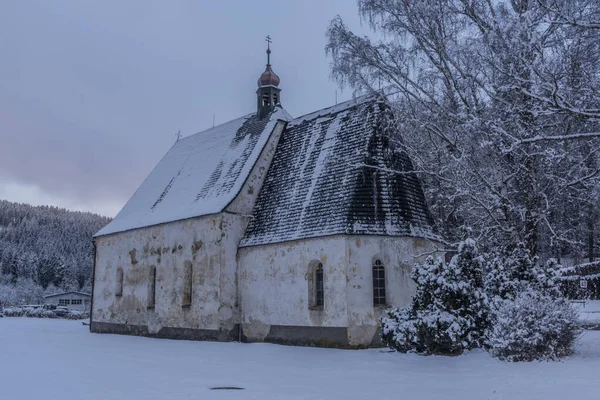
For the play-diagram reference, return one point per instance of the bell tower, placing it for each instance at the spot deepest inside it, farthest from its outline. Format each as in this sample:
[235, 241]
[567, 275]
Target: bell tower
[267, 95]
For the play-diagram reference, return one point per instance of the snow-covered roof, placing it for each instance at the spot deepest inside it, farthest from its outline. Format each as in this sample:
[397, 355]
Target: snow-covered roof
[63, 293]
[200, 175]
[335, 172]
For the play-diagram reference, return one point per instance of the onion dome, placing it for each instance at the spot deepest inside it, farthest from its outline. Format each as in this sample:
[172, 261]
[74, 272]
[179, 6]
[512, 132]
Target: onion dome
[268, 78]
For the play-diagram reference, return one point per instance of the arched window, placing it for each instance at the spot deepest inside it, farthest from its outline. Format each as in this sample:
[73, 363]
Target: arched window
[152, 287]
[316, 285]
[319, 286]
[119, 282]
[378, 283]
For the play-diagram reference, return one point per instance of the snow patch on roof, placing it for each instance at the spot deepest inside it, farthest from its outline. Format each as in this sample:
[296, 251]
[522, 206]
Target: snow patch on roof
[333, 173]
[329, 111]
[200, 175]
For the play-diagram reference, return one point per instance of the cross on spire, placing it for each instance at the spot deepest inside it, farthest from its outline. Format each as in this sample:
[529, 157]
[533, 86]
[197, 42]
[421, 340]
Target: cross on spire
[269, 41]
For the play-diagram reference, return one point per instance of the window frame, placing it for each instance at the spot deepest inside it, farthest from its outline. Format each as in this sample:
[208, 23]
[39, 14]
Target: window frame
[319, 287]
[379, 284]
[316, 285]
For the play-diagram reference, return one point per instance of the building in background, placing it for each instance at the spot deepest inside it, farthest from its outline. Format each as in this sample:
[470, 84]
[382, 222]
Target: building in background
[74, 301]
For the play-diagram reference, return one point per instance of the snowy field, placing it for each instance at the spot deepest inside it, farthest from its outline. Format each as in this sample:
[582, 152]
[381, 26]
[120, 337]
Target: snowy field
[58, 359]
[589, 312]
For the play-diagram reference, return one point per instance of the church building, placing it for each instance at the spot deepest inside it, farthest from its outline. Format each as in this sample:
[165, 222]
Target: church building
[269, 228]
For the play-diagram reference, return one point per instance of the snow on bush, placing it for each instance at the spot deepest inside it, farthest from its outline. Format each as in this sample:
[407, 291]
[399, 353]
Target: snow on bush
[76, 315]
[529, 318]
[532, 326]
[13, 312]
[447, 314]
[40, 312]
[508, 304]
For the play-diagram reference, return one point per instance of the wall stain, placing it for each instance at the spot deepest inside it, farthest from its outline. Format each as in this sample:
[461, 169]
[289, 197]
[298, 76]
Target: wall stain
[196, 246]
[132, 255]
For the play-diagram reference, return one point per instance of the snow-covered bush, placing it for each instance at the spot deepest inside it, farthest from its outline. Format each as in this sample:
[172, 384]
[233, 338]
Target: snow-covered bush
[427, 331]
[509, 304]
[76, 315]
[533, 326]
[14, 312]
[38, 312]
[447, 314]
[529, 319]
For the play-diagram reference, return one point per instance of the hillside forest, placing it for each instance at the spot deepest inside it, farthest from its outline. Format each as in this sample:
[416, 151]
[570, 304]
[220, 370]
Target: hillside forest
[44, 250]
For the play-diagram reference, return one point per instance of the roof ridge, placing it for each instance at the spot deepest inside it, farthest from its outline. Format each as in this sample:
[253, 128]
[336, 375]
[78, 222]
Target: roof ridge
[279, 110]
[67, 292]
[247, 116]
[334, 109]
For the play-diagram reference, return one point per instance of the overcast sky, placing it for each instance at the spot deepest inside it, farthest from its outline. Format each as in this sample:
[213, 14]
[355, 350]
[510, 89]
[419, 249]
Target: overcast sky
[92, 93]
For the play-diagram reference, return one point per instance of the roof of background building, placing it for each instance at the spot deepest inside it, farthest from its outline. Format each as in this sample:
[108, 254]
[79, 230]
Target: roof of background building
[200, 175]
[63, 293]
[335, 171]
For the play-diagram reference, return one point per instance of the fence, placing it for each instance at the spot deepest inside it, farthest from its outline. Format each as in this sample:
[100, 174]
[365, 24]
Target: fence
[571, 281]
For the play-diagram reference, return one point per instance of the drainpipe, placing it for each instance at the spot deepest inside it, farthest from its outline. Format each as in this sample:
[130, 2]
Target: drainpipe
[93, 283]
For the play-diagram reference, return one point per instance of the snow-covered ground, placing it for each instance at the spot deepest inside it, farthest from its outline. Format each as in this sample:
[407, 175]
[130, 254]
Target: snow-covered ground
[43, 359]
[589, 311]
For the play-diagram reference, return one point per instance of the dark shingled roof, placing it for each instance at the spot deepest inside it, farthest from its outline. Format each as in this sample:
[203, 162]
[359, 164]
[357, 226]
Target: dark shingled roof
[333, 174]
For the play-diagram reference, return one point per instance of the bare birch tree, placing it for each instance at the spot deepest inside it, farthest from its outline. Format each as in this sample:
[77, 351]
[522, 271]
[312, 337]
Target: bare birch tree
[499, 106]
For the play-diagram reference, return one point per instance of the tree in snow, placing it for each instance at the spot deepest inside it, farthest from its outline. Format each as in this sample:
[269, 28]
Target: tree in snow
[507, 275]
[499, 105]
[43, 247]
[447, 314]
[529, 319]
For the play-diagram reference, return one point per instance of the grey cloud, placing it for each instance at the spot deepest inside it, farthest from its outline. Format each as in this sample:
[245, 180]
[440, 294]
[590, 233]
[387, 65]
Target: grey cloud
[91, 94]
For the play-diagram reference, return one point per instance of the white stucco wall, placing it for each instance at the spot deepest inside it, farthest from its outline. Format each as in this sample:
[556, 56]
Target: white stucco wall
[274, 282]
[167, 247]
[274, 285]
[209, 243]
[398, 255]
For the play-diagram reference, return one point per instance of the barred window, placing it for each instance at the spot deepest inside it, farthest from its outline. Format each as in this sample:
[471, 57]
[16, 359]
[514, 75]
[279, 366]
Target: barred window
[319, 286]
[378, 283]
[152, 287]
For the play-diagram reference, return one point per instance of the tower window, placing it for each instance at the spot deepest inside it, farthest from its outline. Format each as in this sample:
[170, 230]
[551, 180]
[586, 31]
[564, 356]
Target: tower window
[187, 284]
[119, 282]
[378, 283]
[152, 287]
